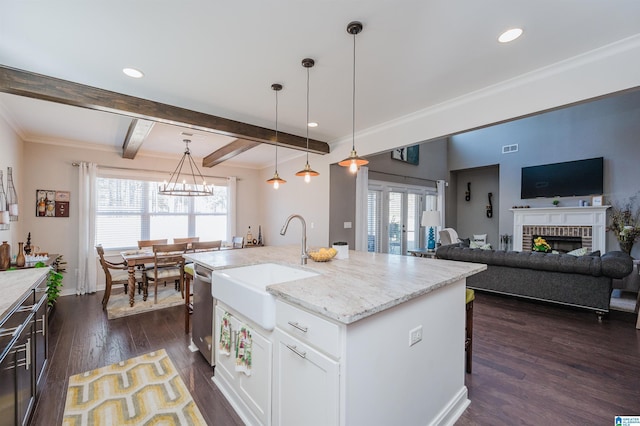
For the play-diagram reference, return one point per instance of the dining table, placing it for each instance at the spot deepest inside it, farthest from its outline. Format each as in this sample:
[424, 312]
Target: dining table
[135, 258]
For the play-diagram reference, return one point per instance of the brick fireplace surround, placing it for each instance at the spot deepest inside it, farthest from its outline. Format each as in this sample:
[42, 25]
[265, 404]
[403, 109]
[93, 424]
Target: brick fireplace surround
[589, 223]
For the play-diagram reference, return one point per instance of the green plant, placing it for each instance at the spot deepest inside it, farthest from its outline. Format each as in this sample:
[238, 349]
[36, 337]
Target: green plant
[555, 202]
[54, 280]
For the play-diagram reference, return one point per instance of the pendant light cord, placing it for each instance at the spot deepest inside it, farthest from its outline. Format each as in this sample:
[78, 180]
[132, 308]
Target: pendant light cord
[353, 112]
[276, 131]
[307, 115]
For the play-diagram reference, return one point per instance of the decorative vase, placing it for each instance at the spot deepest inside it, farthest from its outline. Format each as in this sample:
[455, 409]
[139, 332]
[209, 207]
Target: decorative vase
[626, 246]
[5, 256]
[20, 259]
[27, 246]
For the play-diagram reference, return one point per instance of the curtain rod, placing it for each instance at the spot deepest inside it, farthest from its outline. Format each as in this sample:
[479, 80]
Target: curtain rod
[145, 170]
[403, 176]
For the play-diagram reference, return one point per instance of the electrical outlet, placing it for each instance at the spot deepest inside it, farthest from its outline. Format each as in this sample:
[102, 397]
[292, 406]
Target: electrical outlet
[415, 335]
[347, 225]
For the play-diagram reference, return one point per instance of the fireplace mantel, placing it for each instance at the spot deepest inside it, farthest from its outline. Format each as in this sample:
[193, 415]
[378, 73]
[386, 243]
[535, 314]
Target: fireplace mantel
[595, 217]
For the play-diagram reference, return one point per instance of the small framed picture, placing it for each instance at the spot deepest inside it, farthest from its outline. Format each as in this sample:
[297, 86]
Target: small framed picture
[596, 200]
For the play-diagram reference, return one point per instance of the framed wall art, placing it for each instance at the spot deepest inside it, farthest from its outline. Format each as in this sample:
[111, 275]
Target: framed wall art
[409, 154]
[52, 203]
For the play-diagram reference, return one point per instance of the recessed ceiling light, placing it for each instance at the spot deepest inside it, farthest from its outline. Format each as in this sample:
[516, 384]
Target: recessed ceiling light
[132, 72]
[510, 35]
[312, 124]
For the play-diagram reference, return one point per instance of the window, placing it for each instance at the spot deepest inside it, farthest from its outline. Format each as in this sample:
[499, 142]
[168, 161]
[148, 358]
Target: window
[129, 210]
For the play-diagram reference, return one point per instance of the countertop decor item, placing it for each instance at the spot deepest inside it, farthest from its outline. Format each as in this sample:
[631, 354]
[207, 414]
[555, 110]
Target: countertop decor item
[353, 162]
[5, 256]
[4, 210]
[276, 180]
[12, 196]
[323, 254]
[186, 184]
[307, 172]
[20, 259]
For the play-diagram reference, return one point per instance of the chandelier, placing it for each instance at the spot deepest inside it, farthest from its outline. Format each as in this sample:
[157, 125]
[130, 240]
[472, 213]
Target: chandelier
[186, 184]
[307, 172]
[276, 180]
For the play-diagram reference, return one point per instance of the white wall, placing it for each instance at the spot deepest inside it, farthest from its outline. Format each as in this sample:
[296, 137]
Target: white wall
[11, 156]
[577, 79]
[50, 167]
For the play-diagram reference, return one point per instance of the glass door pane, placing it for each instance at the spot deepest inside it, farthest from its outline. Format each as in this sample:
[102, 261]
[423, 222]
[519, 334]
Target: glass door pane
[396, 223]
[413, 222]
[374, 220]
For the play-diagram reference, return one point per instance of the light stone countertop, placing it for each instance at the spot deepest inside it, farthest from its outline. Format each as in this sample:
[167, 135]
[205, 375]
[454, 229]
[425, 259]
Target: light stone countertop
[347, 290]
[14, 284]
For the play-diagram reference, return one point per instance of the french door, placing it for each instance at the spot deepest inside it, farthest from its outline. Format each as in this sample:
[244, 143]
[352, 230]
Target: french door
[393, 217]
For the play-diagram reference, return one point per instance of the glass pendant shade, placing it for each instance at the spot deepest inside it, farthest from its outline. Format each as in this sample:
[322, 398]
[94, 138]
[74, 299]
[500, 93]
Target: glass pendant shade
[189, 184]
[353, 161]
[276, 180]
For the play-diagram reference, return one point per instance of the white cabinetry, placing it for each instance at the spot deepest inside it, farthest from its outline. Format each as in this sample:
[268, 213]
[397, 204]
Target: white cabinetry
[307, 368]
[250, 395]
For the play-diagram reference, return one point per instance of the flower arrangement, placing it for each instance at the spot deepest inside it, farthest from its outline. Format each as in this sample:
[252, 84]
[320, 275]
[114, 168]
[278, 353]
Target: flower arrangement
[541, 245]
[625, 222]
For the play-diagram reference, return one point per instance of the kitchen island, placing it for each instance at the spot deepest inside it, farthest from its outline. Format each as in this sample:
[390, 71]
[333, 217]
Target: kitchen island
[372, 339]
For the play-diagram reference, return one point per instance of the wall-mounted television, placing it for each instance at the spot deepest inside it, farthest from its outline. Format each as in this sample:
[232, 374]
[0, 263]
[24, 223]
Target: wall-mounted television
[571, 178]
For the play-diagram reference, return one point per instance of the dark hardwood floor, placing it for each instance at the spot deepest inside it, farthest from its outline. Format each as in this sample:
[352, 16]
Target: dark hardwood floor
[533, 364]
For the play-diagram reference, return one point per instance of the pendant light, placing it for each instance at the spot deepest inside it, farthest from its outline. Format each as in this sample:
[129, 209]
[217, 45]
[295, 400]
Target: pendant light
[353, 162]
[307, 172]
[178, 184]
[276, 180]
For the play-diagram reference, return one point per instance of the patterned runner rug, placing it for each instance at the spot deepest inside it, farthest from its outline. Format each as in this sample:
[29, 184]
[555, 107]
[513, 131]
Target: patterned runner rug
[118, 305]
[145, 390]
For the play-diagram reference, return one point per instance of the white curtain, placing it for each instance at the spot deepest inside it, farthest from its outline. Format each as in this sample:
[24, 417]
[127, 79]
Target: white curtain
[362, 190]
[231, 208]
[441, 186]
[86, 235]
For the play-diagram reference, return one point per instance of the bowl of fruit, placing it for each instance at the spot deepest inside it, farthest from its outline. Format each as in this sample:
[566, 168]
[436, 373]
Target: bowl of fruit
[322, 254]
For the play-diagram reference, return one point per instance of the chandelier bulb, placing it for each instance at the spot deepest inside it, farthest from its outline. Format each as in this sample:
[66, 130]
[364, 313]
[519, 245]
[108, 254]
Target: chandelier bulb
[276, 185]
[353, 167]
[307, 177]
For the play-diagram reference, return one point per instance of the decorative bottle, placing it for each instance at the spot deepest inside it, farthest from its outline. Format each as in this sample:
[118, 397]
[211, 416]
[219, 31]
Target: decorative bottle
[259, 235]
[12, 196]
[5, 256]
[20, 259]
[4, 212]
[249, 236]
[27, 246]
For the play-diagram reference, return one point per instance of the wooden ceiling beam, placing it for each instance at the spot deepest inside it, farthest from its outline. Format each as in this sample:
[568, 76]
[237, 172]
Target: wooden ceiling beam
[229, 151]
[138, 131]
[37, 86]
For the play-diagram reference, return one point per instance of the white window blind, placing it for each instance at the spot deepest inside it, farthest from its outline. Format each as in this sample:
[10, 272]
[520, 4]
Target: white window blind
[129, 210]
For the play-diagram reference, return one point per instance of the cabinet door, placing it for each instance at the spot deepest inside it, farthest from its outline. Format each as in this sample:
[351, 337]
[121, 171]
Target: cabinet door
[25, 392]
[40, 340]
[307, 384]
[254, 390]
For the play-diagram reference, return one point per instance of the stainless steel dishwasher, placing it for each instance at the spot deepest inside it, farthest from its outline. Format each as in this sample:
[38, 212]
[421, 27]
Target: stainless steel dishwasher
[202, 318]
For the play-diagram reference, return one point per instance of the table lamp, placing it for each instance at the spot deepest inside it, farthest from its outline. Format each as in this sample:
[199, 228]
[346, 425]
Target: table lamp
[431, 219]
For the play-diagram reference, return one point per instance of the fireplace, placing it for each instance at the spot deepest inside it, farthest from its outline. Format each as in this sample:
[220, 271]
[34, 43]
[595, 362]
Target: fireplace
[566, 227]
[559, 243]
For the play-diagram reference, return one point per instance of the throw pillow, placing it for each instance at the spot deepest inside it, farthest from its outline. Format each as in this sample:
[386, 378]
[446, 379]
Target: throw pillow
[594, 253]
[578, 252]
[480, 238]
[482, 246]
[465, 242]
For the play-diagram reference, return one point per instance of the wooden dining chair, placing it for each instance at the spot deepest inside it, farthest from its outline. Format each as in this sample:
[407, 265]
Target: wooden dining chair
[150, 243]
[237, 242]
[168, 265]
[197, 246]
[186, 240]
[115, 273]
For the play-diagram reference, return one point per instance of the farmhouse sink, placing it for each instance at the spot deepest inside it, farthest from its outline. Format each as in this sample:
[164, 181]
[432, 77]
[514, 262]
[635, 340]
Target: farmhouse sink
[245, 289]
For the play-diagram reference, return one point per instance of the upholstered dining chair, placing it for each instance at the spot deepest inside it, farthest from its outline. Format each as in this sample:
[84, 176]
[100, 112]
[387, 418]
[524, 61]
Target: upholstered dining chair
[168, 265]
[197, 246]
[115, 273]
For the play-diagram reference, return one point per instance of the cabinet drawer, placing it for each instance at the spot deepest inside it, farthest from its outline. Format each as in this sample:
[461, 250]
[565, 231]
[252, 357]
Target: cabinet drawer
[309, 328]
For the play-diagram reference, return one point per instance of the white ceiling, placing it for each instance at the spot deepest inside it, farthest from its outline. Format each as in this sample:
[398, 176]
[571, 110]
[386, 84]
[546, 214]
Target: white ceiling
[221, 58]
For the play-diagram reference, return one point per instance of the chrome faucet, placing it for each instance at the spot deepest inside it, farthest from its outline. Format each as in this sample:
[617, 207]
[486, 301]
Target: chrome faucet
[304, 256]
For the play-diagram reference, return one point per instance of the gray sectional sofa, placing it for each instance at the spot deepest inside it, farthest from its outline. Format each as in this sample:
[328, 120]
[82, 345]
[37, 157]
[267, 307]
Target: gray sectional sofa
[584, 281]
